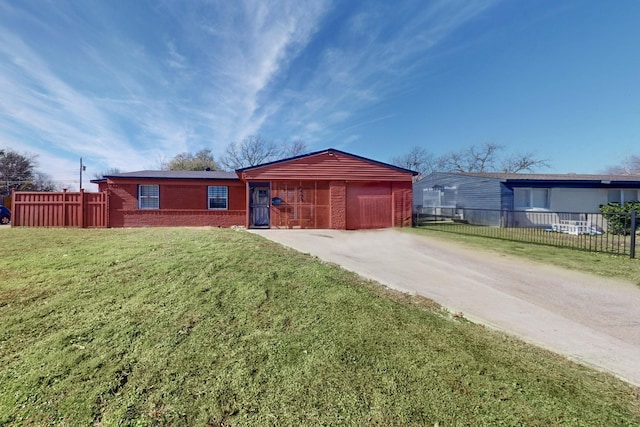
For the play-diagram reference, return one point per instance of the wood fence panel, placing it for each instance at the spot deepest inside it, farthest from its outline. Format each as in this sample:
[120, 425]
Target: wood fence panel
[95, 209]
[62, 209]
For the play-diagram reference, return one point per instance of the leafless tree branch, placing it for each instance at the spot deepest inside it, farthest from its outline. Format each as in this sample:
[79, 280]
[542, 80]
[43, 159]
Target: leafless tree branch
[629, 166]
[418, 159]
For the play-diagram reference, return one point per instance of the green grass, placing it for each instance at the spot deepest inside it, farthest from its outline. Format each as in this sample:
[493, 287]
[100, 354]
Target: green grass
[607, 265]
[218, 327]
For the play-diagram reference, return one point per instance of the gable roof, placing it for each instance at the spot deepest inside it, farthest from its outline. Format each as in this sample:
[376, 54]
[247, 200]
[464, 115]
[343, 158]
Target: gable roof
[329, 151]
[155, 174]
[568, 177]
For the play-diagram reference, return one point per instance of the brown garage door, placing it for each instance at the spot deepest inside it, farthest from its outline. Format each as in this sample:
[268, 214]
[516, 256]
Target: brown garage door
[369, 206]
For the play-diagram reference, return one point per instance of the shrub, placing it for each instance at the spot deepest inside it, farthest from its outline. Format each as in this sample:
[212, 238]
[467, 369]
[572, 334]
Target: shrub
[618, 216]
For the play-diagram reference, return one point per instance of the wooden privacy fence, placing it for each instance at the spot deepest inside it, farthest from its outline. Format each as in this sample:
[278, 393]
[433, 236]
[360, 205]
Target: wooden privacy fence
[63, 209]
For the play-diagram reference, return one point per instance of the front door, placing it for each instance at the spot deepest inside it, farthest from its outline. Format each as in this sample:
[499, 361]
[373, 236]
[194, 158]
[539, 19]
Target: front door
[259, 207]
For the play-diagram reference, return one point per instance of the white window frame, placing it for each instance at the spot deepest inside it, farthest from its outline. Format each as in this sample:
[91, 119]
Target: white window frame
[144, 201]
[436, 196]
[530, 204]
[211, 189]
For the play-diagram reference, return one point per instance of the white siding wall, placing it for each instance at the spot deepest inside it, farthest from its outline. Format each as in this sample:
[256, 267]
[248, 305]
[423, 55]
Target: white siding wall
[577, 199]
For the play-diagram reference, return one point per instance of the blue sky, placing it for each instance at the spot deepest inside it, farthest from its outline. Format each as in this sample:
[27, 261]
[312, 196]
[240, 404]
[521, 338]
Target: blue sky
[127, 84]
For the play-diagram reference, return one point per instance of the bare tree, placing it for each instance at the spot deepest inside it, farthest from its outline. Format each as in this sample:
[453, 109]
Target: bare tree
[294, 148]
[160, 162]
[487, 157]
[202, 160]
[476, 158]
[111, 171]
[418, 159]
[629, 166]
[41, 182]
[251, 151]
[526, 162]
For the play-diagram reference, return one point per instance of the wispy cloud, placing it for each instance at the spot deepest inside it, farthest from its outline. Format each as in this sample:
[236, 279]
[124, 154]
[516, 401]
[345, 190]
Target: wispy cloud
[370, 58]
[42, 111]
[182, 76]
[249, 46]
[38, 102]
[175, 60]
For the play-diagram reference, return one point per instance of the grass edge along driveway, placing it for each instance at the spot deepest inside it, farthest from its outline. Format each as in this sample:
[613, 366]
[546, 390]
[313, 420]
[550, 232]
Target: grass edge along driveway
[204, 326]
[589, 319]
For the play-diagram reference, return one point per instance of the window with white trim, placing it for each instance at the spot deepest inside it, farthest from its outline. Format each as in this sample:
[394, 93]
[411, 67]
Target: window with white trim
[217, 197]
[439, 196]
[621, 196]
[148, 197]
[530, 198]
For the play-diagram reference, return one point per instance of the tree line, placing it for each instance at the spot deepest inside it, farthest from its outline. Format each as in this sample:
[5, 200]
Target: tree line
[255, 150]
[486, 157]
[490, 157]
[18, 170]
[251, 151]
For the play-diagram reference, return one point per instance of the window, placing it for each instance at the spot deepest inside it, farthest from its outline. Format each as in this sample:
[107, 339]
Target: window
[218, 197]
[430, 197]
[531, 198]
[149, 197]
[439, 196]
[621, 196]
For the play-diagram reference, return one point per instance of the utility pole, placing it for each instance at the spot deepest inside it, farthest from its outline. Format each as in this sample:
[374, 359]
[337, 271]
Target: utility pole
[82, 168]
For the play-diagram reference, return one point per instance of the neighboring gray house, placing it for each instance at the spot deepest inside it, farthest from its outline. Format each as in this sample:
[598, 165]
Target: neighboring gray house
[482, 198]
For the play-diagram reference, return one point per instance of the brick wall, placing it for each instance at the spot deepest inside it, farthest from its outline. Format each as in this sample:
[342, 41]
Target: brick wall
[182, 204]
[177, 218]
[338, 202]
[402, 204]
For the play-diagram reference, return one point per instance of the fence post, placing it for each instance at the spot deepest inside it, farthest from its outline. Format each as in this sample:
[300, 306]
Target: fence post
[632, 249]
[81, 218]
[14, 211]
[64, 207]
[105, 206]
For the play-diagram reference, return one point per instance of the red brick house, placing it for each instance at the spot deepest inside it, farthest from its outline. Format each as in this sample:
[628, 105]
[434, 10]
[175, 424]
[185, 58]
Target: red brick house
[325, 189]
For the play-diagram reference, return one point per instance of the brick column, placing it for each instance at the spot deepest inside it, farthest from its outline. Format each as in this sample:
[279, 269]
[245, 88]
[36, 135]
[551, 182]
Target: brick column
[402, 204]
[338, 203]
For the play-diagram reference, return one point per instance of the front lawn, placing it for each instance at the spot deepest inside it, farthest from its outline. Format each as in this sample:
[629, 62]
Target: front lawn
[180, 326]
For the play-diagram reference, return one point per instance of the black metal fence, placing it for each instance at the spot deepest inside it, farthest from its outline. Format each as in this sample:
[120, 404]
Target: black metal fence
[613, 233]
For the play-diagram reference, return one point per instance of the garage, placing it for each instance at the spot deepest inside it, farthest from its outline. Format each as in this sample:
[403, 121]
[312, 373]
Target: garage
[369, 205]
[328, 189]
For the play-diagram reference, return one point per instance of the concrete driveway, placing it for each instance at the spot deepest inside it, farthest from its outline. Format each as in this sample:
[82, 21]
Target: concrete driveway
[589, 319]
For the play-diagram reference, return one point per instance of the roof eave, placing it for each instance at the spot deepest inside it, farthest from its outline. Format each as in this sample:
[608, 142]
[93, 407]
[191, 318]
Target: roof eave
[172, 178]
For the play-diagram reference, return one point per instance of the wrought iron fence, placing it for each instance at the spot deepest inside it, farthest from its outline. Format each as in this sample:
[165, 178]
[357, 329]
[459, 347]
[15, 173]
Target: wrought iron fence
[613, 233]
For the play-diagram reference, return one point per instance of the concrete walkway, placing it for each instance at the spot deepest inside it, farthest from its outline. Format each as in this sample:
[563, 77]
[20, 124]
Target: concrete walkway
[589, 319]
